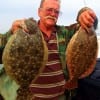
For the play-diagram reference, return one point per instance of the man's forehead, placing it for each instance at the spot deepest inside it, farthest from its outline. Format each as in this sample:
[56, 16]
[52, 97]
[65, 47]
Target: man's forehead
[51, 2]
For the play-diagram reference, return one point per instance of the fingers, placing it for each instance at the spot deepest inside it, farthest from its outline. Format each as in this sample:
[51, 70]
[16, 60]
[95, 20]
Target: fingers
[15, 25]
[19, 24]
[92, 14]
[87, 18]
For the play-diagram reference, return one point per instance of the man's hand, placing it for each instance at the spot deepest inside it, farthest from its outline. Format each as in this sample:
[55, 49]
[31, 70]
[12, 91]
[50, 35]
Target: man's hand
[87, 18]
[19, 24]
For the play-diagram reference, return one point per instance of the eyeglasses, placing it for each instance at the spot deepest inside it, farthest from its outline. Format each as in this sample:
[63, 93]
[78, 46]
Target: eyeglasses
[51, 10]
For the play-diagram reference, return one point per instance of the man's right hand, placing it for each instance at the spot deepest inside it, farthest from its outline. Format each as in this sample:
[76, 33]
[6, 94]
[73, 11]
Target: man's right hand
[19, 24]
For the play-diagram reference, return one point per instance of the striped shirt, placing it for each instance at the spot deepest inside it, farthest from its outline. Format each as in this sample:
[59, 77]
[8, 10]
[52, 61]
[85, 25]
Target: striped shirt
[49, 84]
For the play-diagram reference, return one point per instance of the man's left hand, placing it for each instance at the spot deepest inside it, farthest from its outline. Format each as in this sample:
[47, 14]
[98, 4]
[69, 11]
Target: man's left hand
[87, 18]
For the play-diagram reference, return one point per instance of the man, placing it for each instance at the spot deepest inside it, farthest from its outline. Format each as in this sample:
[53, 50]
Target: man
[50, 84]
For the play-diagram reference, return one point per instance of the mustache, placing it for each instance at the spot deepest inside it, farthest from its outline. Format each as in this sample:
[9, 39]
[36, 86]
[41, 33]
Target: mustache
[50, 17]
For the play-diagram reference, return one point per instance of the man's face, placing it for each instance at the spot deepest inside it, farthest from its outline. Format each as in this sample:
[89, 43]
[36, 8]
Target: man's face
[49, 12]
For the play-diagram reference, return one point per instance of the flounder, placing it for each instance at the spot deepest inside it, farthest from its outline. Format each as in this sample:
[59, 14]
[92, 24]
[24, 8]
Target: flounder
[24, 56]
[81, 55]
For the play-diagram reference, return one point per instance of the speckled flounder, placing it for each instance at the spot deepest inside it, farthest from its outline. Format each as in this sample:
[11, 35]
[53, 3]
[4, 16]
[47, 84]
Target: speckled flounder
[81, 56]
[24, 55]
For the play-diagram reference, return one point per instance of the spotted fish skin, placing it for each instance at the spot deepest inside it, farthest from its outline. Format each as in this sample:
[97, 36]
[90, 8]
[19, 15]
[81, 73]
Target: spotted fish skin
[81, 54]
[24, 56]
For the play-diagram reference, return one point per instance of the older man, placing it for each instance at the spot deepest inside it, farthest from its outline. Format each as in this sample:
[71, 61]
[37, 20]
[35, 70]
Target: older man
[50, 83]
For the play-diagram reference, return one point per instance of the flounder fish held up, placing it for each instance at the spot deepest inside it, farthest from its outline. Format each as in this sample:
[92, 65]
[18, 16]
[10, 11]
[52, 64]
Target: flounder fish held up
[24, 55]
[81, 55]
